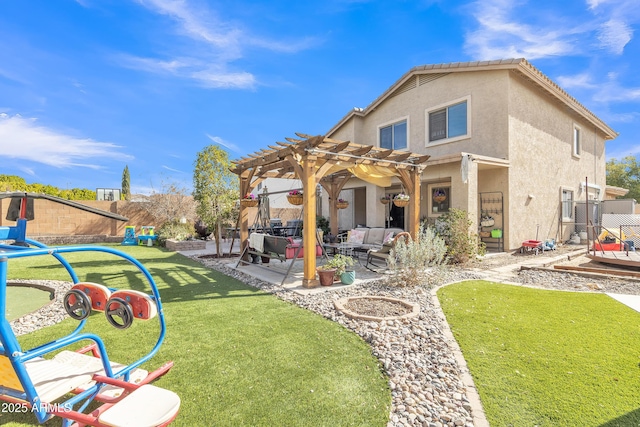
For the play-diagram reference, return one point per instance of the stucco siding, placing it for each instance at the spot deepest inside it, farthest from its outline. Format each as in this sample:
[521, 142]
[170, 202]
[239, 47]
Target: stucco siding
[541, 144]
[488, 102]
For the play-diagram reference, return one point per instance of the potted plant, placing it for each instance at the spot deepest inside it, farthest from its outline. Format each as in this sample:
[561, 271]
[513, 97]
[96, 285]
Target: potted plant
[326, 274]
[401, 200]
[386, 199]
[295, 197]
[249, 200]
[340, 263]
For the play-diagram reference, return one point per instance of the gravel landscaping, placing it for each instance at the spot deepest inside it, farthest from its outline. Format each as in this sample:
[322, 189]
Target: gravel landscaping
[429, 383]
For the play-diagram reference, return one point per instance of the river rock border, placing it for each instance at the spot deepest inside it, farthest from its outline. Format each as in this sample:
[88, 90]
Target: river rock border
[341, 304]
[49, 314]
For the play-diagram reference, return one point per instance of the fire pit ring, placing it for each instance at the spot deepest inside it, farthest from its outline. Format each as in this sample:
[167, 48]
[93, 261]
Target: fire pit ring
[402, 309]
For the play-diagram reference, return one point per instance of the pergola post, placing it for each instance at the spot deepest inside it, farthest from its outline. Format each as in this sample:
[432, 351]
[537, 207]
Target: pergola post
[245, 184]
[309, 220]
[414, 202]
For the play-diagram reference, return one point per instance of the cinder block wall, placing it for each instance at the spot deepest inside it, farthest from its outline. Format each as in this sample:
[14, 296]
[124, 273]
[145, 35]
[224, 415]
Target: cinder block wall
[55, 219]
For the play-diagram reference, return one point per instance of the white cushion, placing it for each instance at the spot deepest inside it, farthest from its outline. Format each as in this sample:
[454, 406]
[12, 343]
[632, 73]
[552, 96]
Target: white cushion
[148, 406]
[356, 236]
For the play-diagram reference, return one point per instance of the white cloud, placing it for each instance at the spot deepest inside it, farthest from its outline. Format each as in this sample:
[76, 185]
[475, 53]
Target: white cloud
[214, 45]
[207, 75]
[619, 152]
[502, 36]
[199, 24]
[614, 36]
[224, 143]
[508, 29]
[171, 169]
[583, 80]
[24, 139]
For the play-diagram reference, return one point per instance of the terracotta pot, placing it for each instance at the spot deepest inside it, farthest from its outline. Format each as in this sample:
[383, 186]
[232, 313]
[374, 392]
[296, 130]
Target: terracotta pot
[326, 276]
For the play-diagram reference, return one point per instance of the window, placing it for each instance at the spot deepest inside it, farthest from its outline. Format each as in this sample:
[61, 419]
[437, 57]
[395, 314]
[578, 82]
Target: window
[394, 136]
[448, 122]
[576, 141]
[567, 204]
[110, 194]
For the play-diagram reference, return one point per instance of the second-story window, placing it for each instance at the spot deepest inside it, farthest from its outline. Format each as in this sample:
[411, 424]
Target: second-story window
[576, 141]
[448, 122]
[394, 136]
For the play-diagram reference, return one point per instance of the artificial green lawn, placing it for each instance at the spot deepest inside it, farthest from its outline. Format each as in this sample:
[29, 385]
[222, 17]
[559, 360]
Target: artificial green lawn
[24, 300]
[547, 358]
[242, 357]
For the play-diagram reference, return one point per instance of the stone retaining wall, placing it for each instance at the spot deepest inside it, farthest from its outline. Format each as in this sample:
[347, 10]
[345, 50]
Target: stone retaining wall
[186, 245]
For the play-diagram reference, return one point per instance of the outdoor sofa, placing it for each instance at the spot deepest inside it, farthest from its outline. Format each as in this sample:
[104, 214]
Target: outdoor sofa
[365, 239]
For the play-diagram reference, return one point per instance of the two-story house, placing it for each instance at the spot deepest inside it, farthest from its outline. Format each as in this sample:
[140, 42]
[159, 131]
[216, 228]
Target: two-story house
[505, 142]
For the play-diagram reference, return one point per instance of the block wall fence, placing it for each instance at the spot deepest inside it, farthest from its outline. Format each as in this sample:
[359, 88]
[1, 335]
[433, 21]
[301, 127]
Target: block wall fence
[55, 223]
[55, 219]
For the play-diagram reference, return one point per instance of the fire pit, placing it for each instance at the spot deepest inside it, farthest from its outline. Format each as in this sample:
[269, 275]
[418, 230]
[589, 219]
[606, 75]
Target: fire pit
[376, 308]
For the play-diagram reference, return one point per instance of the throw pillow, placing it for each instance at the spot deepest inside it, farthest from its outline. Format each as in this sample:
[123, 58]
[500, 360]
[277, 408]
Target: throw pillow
[388, 238]
[356, 236]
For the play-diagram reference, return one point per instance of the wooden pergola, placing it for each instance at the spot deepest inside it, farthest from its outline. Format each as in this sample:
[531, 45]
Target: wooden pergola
[331, 163]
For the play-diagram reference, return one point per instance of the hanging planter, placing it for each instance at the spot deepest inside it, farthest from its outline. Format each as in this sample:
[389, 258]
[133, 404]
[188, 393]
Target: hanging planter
[295, 197]
[342, 204]
[439, 195]
[385, 200]
[249, 201]
[401, 200]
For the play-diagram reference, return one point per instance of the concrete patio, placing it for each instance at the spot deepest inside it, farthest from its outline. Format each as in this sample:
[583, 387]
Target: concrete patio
[274, 271]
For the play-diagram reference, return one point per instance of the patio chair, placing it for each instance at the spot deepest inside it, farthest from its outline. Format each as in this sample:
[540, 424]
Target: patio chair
[384, 252]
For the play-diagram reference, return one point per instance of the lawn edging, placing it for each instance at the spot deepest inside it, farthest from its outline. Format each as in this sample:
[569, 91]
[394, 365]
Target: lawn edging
[477, 410]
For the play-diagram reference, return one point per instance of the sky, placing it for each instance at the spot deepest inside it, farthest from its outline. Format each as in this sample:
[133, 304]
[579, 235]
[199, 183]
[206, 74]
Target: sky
[88, 87]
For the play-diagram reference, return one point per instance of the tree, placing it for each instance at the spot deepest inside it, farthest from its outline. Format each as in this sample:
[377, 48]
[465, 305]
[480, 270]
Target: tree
[171, 204]
[625, 174]
[126, 185]
[16, 183]
[215, 189]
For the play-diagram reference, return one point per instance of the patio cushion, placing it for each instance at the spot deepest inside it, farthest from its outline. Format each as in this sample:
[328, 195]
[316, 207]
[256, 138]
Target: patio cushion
[357, 236]
[374, 236]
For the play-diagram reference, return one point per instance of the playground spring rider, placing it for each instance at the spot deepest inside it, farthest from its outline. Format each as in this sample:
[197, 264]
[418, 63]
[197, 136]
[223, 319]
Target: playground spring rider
[31, 380]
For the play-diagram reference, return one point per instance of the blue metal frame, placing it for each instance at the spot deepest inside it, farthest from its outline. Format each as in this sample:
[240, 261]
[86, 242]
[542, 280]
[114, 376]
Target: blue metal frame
[9, 345]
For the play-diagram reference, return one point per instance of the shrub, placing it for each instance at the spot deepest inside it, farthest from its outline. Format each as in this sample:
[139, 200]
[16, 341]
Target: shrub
[175, 230]
[410, 261]
[323, 224]
[462, 245]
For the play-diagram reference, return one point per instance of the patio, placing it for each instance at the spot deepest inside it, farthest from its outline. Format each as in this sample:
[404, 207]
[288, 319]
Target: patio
[275, 270]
